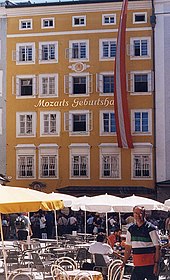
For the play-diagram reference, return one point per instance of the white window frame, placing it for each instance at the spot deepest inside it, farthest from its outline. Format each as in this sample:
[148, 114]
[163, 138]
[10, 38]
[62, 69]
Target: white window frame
[139, 13]
[47, 150]
[78, 17]
[109, 16]
[101, 57]
[26, 150]
[34, 86]
[1, 82]
[55, 60]
[132, 82]
[47, 19]
[26, 21]
[140, 149]
[48, 76]
[102, 133]
[25, 135]
[57, 124]
[0, 121]
[68, 122]
[16, 53]
[100, 84]
[69, 54]
[131, 48]
[149, 111]
[83, 150]
[109, 149]
[68, 84]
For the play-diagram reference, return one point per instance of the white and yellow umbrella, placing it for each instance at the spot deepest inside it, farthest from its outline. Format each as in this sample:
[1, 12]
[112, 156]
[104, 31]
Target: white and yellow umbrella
[17, 200]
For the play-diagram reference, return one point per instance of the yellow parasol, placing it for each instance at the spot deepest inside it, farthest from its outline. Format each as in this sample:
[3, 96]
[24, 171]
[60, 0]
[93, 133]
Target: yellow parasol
[16, 200]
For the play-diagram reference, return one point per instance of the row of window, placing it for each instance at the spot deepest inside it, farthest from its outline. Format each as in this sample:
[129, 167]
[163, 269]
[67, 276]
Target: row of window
[79, 123]
[79, 163]
[82, 84]
[107, 19]
[140, 47]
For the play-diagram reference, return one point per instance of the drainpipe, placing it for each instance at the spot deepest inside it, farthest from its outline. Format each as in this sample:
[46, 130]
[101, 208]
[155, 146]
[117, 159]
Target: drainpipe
[153, 23]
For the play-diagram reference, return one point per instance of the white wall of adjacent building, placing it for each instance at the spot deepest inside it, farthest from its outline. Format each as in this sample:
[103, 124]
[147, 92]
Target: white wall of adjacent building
[162, 80]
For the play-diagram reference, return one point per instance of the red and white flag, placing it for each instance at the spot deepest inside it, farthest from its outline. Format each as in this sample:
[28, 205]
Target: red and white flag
[120, 92]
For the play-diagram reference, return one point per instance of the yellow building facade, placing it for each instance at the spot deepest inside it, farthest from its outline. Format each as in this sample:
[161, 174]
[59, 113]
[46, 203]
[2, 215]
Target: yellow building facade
[60, 96]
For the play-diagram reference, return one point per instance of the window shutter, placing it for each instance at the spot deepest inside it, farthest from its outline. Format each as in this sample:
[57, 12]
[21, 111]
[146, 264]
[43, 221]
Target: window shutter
[14, 55]
[67, 84]
[90, 83]
[40, 54]
[151, 81]
[130, 82]
[67, 121]
[57, 123]
[99, 83]
[17, 89]
[129, 49]
[68, 52]
[35, 85]
[90, 121]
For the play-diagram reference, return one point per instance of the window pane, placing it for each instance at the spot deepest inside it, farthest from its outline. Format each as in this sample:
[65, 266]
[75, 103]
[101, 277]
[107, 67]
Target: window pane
[79, 85]
[26, 87]
[141, 83]
[108, 84]
[79, 122]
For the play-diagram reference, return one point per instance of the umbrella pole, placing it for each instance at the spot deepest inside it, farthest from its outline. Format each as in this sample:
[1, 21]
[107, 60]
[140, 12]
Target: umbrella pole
[3, 248]
[120, 222]
[106, 225]
[56, 229]
[85, 226]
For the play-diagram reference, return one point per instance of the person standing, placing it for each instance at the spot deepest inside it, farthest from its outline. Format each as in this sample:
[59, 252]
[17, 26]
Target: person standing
[142, 238]
[23, 226]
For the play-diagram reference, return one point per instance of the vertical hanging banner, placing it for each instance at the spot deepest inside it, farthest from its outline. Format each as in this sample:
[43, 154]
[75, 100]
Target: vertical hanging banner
[124, 137]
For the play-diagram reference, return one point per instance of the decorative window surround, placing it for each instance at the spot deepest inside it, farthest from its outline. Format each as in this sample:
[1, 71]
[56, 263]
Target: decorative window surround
[108, 19]
[78, 21]
[140, 17]
[25, 124]
[25, 24]
[49, 123]
[26, 161]
[48, 161]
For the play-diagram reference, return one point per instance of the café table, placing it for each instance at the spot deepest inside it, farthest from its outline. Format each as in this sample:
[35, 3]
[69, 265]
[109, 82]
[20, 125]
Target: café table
[96, 275]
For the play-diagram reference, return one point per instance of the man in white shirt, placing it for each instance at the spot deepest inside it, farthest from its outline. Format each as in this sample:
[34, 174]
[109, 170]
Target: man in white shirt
[100, 247]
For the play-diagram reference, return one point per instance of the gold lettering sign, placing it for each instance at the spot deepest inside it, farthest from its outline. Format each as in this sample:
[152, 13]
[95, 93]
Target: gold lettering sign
[75, 103]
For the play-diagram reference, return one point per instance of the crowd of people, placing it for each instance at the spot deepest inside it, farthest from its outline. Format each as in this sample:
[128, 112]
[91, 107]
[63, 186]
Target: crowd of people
[42, 224]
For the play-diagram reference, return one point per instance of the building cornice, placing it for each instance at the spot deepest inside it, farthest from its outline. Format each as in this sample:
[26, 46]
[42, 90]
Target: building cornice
[75, 9]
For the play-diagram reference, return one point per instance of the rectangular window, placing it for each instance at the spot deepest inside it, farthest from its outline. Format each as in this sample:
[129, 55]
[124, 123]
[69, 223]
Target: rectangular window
[26, 86]
[25, 166]
[107, 49]
[48, 85]
[49, 52]
[141, 122]
[26, 124]
[109, 19]
[139, 18]
[108, 83]
[80, 166]
[110, 166]
[79, 122]
[140, 82]
[25, 24]
[140, 47]
[25, 53]
[50, 123]
[78, 84]
[109, 123]
[48, 166]
[79, 21]
[78, 50]
[142, 166]
[47, 23]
